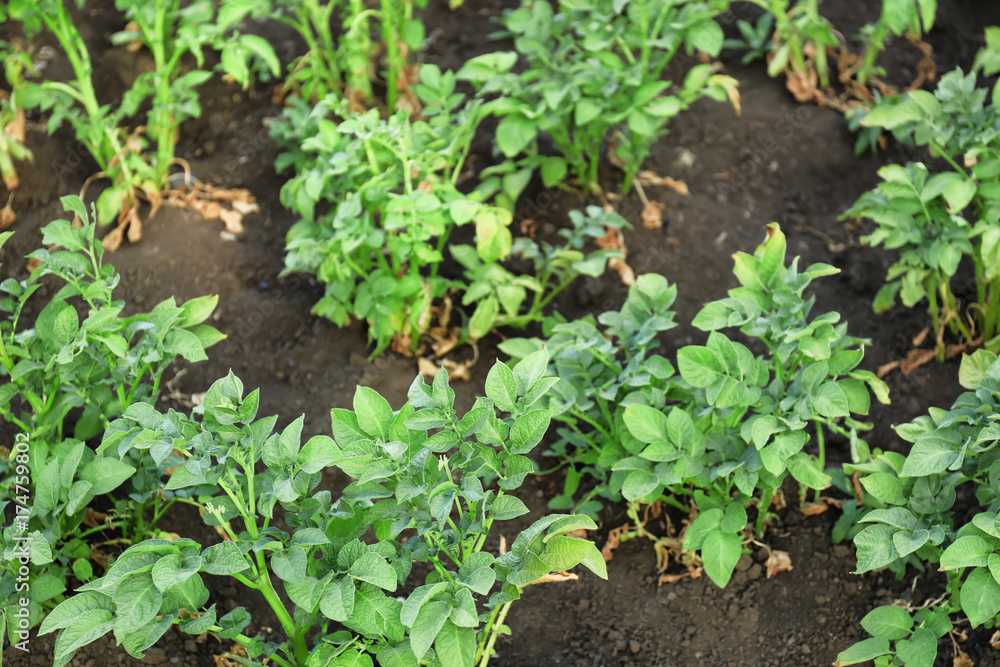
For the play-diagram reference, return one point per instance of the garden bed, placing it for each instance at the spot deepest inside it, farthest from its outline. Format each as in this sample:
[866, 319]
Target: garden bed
[779, 161]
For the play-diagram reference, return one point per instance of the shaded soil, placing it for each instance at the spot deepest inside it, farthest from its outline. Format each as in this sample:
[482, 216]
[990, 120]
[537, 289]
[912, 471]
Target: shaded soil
[786, 162]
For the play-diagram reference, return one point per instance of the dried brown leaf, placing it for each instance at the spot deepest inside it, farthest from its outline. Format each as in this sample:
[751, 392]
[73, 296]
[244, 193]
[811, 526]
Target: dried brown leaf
[134, 223]
[919, 339]
[7, 216]
[778, 561]
[652, 215]
[528, 228]
[401, 344]
[92, 518]
[962, 659]
[915, 359]
[113, 239]
[427, 367]
[812, 509]
[625, 272]
[555, 577]
[458, 370]
[233, 220]
[614, 539]
[887, 368]
[15, 129]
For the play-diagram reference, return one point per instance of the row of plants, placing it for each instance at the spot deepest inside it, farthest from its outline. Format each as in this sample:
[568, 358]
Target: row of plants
[379, 195]
[717, 436]
[428, 485]
[378, 181]
[82, 364]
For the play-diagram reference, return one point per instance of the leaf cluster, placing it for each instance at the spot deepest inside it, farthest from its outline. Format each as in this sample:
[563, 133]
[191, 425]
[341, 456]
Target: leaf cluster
[98, 365]
[427, 486]
[379, 200]
[727, 423]
[594, 65]
[908, 514]
[170, 32]
[936, 219]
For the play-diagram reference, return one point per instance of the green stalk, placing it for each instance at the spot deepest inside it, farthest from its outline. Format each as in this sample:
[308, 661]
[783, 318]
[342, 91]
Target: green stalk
[990, 317]
[79, 59]
[821, 445]
[494, 625]
[287, 623]
[389, 38]
[762, 509]
[932, 305]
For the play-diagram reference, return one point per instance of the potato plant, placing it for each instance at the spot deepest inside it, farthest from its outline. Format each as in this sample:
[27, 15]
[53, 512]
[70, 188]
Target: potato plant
[379, 201]
[122, 154]
[345, 63]
[936, 219]
[593, 66]
[733, 426]
[92, 369]
[428, 486]
[908, 516]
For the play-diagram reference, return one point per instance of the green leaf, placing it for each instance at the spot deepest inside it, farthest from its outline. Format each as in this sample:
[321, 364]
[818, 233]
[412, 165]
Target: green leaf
[875, 547]
[400, 655]
[514, 133]
[553, 170]
[720, 552]
[863, 651]
[337, 603]
[967, 551]
[477, 573]
[430, 619]
[137, 599]
[84, 629]
[585, 111]
[105, 474]
[529, 370]
[318, 453]
[374, 413]
[528, 430]
[186, 344]
[500, 387]
[173, 569]
[645, 423]
[195, 311]
[892, 116]
[47, 486]
[706, 521]
[918, 651]
[830, 400]
[505, 508]
[980, 596]
[932, 453]
[698, 365]
[374, 569]
[223, 558]
[888, 622]
[203, 623]
[483, 318]
[885, 488]
[68, 611]
[959, 194]
[138, 640]
[455, 646]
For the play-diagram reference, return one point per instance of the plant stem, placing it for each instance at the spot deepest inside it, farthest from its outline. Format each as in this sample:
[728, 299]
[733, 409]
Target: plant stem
[494, 625]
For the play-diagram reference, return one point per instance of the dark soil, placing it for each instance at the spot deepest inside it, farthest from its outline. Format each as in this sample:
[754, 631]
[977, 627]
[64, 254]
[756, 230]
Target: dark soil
[787, 162]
